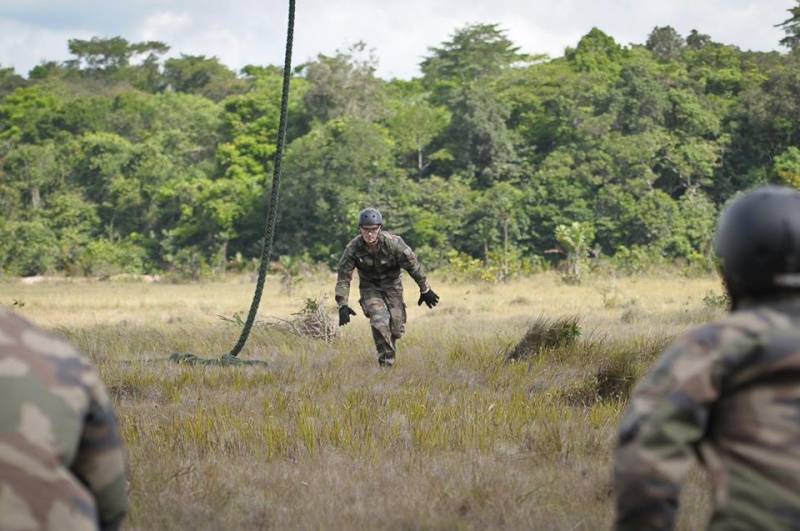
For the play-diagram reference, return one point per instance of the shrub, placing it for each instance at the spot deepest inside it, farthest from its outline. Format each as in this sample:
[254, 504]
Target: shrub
[105, 258]
[546, 334]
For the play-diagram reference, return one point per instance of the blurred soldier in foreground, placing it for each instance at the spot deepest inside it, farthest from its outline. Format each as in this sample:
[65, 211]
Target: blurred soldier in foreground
[728, 392]
[379, 257]
[62, 466]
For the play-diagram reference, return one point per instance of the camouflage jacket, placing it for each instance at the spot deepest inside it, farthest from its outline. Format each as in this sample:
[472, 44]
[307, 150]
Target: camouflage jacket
[380, 270]
[62, 465]
[728, 393]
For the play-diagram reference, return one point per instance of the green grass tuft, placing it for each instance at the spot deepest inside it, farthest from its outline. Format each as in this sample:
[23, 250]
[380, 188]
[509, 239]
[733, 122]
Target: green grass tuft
[546, 333]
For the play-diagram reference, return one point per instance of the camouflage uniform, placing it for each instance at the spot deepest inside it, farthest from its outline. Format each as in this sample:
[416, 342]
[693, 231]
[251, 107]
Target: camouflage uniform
[728, 393]
[62, 465]
[380, 287]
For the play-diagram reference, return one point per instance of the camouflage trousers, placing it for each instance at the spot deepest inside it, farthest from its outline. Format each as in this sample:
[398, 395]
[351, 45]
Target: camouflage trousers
[387, 317]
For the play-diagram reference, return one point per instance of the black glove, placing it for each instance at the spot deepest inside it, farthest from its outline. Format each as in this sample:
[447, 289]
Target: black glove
[344, 314]
[429, 298]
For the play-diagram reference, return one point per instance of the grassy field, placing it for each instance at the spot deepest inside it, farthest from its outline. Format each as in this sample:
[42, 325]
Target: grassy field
[456, 436]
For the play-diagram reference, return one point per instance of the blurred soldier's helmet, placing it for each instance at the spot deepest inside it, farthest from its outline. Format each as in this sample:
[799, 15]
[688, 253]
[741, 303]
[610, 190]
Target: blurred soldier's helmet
[757, 242]
[370, 216]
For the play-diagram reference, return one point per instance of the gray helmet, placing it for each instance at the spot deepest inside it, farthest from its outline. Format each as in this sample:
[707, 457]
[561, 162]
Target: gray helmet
[370, 216]
[757, 242]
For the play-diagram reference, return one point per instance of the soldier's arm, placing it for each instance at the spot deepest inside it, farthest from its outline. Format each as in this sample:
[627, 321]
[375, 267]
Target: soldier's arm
[664, 421]
[344, 275]
[408, 261]
[100, 461]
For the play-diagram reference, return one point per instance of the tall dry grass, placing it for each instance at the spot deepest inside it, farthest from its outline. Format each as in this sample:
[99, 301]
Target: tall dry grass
[456, 436]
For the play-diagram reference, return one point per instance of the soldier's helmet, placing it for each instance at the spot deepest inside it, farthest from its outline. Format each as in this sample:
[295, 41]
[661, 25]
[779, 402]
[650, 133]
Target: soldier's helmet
[370, 216]
[757, 242]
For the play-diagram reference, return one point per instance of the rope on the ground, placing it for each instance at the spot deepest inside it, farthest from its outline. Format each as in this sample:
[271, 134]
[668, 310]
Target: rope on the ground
[225, 359]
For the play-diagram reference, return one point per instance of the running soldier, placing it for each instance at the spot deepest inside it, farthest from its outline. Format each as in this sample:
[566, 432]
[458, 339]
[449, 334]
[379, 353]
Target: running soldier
[379, 256]
[62, 465]
[726, 393]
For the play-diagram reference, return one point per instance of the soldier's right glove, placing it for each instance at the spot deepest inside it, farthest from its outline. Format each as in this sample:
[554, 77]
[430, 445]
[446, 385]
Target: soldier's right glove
[344, 314]
[429, 298]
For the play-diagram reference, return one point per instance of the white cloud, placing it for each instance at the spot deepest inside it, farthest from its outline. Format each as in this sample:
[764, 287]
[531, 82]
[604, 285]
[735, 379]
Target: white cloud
[23, 46]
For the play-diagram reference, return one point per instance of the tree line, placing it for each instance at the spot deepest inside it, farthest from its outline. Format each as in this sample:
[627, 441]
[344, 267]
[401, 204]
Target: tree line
[493, 159]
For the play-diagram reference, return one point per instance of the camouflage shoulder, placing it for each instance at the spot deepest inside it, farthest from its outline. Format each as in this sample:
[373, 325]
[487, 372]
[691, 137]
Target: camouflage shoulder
[353, 243]
[350, 248]
[395, 240]
[16, 330]
[758, 319]
[731, 331]
[725, 341]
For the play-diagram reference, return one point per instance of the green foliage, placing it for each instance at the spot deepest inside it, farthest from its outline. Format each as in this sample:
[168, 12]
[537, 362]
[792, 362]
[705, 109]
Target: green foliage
[466, 267]
[665, 43]
[289, 270]
[28, 248]
[187, 263]
[636, 259]
[596, 51]
[620, 366]
[105, 258]
[475, 53]
[546, 334]
[717, 301]
[344, 85]
[787, 167]
[110, 54]
[576, 238]
[483, 147]
[413, 125]
[27, 114]
[791, 27]
[200, 75]
[482, 158]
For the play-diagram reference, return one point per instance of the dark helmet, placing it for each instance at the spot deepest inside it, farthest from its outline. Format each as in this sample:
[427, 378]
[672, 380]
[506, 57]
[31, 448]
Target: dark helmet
[370, 216]
[757, 242]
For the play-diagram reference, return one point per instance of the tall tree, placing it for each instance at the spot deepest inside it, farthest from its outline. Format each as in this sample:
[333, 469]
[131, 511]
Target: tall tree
[596, 51]
[197, 74]
[697, 40]
[336, 171]
[791, 27]
[664, 43]
[10, 80]
[343, 85]
[110, 54]
[479, 138]
[33, 168]
[413, 125]
[476, 53]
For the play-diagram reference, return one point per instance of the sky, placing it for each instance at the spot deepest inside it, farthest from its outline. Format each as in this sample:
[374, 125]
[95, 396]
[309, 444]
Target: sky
[399, 32]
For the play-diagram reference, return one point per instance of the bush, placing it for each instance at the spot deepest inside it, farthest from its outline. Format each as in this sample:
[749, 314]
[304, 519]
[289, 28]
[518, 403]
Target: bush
[546, 334]
[105, 258]
[619, 366]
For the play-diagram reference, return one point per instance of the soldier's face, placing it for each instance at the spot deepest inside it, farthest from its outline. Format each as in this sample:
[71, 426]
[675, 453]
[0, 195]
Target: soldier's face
[370, 232]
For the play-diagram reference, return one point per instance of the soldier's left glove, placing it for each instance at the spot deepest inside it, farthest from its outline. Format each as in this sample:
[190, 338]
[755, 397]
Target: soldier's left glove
[344, 314]
[429, 297]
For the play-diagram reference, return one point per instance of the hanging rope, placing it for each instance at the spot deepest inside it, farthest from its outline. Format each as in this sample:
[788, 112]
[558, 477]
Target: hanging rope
[269, 231]
[269, 228]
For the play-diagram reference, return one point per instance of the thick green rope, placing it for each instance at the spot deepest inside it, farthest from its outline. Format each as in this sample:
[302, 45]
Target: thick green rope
[225, 359]
[269, 230]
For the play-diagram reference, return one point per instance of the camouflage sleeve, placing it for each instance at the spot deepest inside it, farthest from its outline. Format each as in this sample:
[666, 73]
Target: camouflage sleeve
[659, 432]
[408, 261]
[100, 461]
[344, 275]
